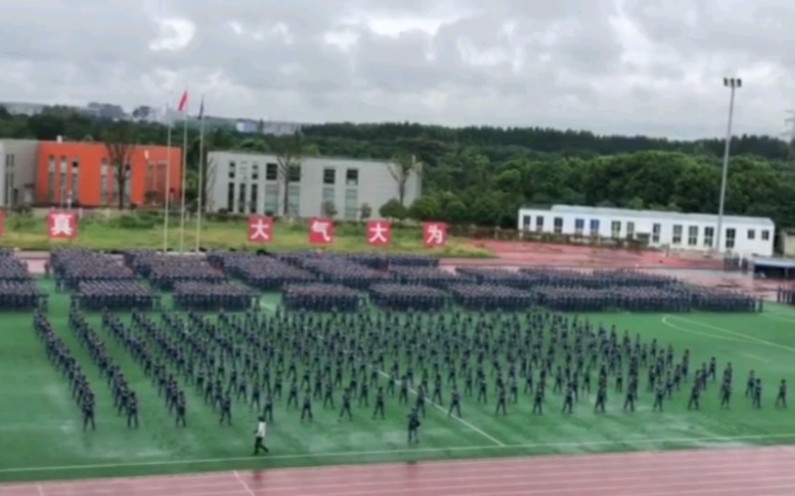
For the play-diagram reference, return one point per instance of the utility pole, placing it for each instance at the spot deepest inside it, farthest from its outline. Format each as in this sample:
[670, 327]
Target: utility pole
[733, 84]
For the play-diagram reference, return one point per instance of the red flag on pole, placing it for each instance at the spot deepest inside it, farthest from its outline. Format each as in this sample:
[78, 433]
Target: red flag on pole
[183, 101]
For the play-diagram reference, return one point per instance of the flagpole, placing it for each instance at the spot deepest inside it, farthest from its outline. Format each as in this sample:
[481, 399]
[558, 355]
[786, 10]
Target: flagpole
[182, 186]
[168, 182]
[201, 182]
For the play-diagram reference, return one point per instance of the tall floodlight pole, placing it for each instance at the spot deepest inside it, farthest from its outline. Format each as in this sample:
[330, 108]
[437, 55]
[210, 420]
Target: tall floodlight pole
[733, 84]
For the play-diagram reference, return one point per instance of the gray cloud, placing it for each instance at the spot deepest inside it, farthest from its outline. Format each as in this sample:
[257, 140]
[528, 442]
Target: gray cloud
[612, 66]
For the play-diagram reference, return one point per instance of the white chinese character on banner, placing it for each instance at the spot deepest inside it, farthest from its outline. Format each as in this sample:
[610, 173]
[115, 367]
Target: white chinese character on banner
[435, 235]
[260, 230]
[321, 227]
[378, 235]
[61, 225]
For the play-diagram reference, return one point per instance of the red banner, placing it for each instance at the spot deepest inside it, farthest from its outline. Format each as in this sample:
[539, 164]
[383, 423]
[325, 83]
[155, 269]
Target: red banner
[260, 229]
[434, 233]
[61, 225]
[379, 232]
[321, 231]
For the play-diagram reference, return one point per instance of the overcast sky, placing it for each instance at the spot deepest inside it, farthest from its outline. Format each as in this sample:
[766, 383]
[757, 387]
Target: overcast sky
[610, 66]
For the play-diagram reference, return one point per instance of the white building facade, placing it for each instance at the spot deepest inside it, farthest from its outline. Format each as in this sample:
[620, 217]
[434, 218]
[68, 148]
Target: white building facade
[744, 236]
[252, 183]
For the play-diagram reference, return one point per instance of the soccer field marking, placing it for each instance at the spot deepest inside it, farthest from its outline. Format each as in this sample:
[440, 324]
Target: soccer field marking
[763, 360]
[243, 483]
[703, 334]
[441, 409]
[728, 331]
[779, 316]
[698, 441]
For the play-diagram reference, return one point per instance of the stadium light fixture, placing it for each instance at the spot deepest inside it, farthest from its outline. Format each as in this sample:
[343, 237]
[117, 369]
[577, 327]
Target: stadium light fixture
[733, 84]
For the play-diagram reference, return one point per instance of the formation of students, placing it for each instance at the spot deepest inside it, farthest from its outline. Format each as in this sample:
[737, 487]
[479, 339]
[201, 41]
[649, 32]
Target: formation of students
[786, 295]
[62, 359]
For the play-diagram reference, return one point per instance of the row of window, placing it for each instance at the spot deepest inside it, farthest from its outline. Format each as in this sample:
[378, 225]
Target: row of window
[243, 198]
[676, 239]
[294, 173]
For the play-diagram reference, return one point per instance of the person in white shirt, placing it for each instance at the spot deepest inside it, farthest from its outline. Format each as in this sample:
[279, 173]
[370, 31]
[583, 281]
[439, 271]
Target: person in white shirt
[259, 442]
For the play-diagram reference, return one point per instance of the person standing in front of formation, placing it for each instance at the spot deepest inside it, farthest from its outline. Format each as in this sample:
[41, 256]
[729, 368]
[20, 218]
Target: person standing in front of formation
[259, 439]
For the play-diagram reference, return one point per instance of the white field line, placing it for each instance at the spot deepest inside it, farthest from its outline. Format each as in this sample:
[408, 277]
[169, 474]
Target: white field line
[739, 334]
[703, 334]
[347, 454]
[441, 409]
[243, 483]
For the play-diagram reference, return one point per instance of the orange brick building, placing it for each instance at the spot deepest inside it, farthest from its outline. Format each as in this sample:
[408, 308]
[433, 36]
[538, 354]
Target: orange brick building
[81, 173]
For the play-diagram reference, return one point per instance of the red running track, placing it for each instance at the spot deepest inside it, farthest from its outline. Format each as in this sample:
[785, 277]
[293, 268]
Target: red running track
[720, 472]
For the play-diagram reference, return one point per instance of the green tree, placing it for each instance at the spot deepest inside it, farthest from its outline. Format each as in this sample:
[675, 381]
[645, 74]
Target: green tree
[425, 207]
[393, 209]
[402, 167]
[119, 139]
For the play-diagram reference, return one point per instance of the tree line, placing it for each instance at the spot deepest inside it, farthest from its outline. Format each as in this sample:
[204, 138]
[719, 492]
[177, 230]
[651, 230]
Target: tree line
[482, 175]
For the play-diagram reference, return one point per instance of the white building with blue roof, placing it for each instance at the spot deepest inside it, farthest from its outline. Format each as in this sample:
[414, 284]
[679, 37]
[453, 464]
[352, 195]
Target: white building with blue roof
[743, 236]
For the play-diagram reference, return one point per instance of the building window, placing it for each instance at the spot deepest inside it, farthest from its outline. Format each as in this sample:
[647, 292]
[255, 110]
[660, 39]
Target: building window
[294, 174]
[526, 222]
[51, 179]
[329, 175]
[271, 199]
[232, 171]
[230, 197]
[149, 179]
[615, 229]
[630, 230]
[103, 182]
[351, 203]
[75, 178]
[677, 238]
[352, 177]
[293, 199]
[271, 172]
[539, 223]
[328, 195]
[62, 179]
[255, 172]
[241, 199]
[558, 224]
[253, 206]
[127, 171]
[594, 227]
[751, 234]
[579, 226]
[655, 233]
[765, 235]
[709, 234]
[692, 236]
[731, 233]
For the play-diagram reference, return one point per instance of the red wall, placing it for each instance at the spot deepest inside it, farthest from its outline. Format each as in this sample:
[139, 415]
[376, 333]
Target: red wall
[89, 157]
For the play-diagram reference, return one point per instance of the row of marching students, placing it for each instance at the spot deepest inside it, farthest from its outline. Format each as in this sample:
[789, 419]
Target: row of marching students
[60, 356]
[786, 295]
[152, 364]
[124, 398]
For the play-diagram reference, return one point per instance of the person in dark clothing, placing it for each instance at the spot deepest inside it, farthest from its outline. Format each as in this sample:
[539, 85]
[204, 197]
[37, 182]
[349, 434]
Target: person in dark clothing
[379, 403]
[414, 426]
[781, 398]
[455, 402]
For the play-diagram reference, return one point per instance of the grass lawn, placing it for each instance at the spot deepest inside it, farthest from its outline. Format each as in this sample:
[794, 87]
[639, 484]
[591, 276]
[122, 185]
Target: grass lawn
[135, 230]
[41, 434]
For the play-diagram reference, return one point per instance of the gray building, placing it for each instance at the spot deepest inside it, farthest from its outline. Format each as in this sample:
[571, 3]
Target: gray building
[252, 183]
[17, 171]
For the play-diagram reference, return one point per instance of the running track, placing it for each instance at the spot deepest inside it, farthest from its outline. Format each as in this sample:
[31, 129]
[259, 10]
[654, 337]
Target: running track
[766, 471]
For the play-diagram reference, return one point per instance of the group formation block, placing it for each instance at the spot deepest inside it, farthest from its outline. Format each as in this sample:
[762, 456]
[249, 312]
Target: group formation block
[401, 297]
[200, 295]
[319, 297]
[116, 295]
[427, 276]
[72, 266]
[18, 290]
[488, 297]
[340, 271]
[261, 272]
[164, 271]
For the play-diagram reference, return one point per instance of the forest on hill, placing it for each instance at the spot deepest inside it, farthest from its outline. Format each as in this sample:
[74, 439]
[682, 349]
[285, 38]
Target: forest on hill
[482, 175]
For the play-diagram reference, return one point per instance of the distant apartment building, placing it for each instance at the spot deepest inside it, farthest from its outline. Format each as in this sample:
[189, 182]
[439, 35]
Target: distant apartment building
[81, 173]
[250, 183]
[17, 172]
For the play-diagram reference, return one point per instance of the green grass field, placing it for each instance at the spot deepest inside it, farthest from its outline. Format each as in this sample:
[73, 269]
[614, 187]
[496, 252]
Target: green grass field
[145, 230]
[42, 438]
